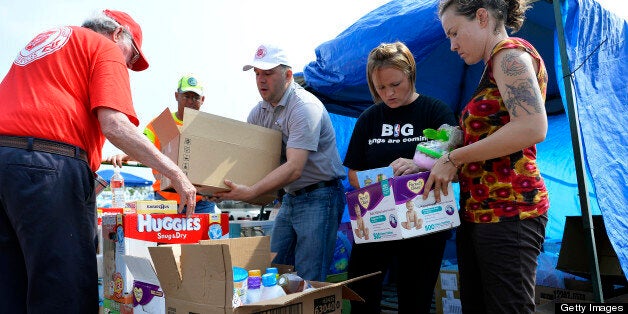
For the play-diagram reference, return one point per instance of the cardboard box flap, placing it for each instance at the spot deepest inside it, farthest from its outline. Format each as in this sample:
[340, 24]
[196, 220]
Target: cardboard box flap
[203, 280]
[165, 259]
[349, 294]
[141, 268]
[165, 127]
[246, 252]
[207, 127]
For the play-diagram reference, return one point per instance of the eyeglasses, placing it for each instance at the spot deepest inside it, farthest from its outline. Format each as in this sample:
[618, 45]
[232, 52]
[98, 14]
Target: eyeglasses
[136, 55]
[194, 98]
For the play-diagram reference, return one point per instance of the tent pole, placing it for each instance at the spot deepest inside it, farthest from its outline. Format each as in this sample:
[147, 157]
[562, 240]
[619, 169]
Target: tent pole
[576, 142]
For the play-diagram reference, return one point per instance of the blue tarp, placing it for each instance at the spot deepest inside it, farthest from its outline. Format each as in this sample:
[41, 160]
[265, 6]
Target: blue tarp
[598, 48]
[130, 180]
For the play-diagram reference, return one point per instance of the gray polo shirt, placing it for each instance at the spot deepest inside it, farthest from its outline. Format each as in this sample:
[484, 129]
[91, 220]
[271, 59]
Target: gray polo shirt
[304, 123]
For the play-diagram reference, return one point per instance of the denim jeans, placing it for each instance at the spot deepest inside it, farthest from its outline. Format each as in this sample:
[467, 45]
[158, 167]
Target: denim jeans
[305, 231]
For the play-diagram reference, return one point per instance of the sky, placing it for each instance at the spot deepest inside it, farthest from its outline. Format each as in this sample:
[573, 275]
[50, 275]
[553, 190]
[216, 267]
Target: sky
[213, 39]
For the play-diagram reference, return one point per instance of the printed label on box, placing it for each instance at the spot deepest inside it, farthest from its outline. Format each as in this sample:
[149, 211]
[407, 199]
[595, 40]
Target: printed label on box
[372, 176]
[394, 209]
[373, 214]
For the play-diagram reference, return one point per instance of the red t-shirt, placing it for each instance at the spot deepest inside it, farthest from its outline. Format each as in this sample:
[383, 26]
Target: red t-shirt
[57, 83]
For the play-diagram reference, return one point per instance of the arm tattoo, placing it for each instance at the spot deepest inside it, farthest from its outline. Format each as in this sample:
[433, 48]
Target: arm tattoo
[511, 65]
[522, 94]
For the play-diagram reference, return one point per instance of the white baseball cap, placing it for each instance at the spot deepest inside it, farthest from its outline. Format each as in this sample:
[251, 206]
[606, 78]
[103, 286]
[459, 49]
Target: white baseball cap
[267, 56]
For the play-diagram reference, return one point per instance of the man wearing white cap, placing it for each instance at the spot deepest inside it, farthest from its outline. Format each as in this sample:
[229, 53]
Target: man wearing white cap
[189, 94]
[304, 232]
[66, 92]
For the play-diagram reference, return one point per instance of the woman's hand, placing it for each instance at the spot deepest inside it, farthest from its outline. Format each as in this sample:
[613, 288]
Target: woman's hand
[443, 172]
[403, 166]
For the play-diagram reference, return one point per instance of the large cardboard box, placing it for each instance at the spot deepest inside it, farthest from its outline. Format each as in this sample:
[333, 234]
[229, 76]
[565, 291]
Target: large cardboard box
[394, 209]
[447, 292]
[544, 294]
[132, 234]
[198, 278]
[210, 149]
[574, 256]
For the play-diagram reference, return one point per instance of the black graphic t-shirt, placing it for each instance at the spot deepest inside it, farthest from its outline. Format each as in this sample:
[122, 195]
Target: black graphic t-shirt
[383, 134]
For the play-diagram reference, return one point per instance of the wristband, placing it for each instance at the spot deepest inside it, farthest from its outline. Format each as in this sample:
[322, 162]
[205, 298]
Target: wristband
[451, 161]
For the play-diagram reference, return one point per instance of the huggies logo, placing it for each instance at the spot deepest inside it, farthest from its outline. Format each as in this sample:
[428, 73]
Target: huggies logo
[396, 130]
[146, 223]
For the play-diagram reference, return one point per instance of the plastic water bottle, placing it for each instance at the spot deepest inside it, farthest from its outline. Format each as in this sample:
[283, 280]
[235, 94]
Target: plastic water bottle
[254, 292]
[117, 189]
[270, 290]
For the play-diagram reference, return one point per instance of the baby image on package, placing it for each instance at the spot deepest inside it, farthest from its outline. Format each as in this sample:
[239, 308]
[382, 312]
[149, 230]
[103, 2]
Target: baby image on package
[373, 214]
[423, 216]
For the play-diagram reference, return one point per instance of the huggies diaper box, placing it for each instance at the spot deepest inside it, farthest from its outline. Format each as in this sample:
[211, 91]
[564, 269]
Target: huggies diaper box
[132, 234]
[394, 209]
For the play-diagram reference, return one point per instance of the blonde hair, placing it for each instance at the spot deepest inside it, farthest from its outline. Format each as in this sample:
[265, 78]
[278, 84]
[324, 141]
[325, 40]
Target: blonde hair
[395, 55]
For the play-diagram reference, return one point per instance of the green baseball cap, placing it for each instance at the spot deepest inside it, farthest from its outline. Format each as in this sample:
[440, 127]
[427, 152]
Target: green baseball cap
[190, 83]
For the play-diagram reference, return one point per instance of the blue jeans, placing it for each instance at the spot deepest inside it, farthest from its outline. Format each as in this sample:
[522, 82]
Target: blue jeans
[47, 234]
[305, 230]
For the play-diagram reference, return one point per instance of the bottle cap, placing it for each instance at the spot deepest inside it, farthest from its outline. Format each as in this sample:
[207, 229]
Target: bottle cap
[239, 274]
[255, 272]
[254, 282]
[272, 270]
[269, 279]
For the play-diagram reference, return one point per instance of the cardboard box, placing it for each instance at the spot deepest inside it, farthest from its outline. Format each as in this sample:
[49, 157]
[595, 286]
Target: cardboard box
[447, 292]
[148, 298]
[132, 234]
[371, 176]
[394, 209]
[210, 149]
[198, 278]
[543, 294]
[154, 207]
[574, 255]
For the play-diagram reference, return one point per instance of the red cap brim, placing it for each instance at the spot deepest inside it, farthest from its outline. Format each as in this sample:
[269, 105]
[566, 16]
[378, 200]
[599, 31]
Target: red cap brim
[141, 64]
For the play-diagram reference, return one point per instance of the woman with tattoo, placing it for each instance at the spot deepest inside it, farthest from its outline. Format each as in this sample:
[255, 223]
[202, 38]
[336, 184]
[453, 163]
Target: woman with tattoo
[503, 199]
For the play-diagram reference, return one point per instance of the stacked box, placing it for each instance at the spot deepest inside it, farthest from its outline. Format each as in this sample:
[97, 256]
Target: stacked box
[132, 234]
[394, 209]
[447, 292]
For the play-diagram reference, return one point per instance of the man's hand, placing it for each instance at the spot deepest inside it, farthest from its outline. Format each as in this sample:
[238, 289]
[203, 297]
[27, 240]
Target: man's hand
[117, 160]
[187, 193]
[238, 192]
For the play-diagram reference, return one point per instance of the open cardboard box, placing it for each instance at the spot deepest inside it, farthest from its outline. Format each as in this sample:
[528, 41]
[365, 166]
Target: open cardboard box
[198, 278]
[210, 149]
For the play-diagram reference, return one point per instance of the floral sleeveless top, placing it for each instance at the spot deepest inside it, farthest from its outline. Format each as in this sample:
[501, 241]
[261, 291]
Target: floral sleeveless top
[506, 188]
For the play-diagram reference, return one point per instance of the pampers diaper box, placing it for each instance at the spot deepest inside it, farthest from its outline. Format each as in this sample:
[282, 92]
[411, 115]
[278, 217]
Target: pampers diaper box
[394, 209]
